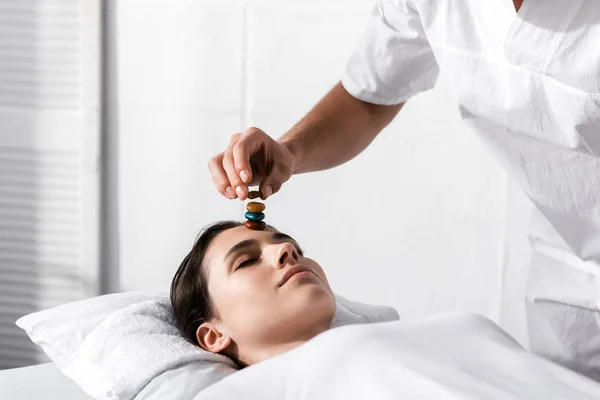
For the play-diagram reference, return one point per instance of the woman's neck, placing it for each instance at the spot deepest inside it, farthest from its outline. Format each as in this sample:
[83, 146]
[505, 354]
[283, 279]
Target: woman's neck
[276, 350]
[273, 350]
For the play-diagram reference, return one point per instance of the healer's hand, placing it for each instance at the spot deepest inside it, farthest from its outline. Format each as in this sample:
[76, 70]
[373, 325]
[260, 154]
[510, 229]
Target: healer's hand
[251, 158]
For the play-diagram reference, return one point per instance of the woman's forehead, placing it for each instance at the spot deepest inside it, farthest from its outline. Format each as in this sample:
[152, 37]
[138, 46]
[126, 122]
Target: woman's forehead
[229, 238]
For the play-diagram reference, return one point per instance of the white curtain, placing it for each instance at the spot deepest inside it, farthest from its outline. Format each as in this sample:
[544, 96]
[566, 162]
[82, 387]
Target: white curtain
[49, 162]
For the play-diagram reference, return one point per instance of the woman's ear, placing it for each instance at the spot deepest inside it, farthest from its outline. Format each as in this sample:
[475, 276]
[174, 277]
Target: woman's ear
[211, 338]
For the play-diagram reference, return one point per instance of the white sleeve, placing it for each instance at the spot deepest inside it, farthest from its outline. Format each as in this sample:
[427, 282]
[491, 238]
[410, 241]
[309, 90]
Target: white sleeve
[393, 59]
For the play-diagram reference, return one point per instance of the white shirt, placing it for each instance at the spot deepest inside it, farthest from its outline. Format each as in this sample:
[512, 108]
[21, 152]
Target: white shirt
[529, 83]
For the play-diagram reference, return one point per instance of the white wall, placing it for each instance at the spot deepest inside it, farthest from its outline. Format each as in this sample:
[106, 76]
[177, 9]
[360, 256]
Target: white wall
[49, 163]
[423, 220]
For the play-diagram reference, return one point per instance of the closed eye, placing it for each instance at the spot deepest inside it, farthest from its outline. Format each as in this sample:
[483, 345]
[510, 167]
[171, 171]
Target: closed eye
[246, 263]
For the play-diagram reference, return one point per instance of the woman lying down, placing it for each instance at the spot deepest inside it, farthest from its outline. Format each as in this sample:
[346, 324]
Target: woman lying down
[256, 298]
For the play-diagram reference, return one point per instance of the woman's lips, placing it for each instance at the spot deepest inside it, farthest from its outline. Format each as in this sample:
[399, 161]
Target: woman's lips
[297, 271]
[300, 275]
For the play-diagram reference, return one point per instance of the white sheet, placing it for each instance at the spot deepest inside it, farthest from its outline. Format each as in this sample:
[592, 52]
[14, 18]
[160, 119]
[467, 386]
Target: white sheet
[449, 357]
[42, 381]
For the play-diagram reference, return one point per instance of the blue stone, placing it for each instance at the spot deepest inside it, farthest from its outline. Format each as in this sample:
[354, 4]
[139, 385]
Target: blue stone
[254, 216]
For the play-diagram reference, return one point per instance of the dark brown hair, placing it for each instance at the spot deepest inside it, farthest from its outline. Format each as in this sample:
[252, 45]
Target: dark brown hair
[189, 289]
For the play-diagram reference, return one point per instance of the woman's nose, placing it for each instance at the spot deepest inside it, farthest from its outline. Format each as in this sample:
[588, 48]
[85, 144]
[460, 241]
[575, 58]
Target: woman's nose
[285, 253]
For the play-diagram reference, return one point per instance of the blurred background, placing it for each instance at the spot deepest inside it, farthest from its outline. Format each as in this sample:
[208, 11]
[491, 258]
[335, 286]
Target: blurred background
[110, 111]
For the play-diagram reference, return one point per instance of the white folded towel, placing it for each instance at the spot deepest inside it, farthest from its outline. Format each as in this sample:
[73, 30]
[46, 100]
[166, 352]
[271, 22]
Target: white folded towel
[136, 342]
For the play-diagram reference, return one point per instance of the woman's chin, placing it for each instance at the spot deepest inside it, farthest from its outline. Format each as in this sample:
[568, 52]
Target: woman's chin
[308, 284]
[314, 299]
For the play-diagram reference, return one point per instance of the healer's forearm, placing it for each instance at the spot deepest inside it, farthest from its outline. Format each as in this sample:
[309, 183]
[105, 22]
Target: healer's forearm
[336, 130]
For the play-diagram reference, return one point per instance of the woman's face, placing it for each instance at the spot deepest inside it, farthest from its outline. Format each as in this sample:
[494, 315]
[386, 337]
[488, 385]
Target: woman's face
[264, 291]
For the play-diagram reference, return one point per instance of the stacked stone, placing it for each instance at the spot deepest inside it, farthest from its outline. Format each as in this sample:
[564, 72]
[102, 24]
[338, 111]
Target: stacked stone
[254, 214]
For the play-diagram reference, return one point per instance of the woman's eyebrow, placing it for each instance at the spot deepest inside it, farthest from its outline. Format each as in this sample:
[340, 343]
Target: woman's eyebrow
[240, 246]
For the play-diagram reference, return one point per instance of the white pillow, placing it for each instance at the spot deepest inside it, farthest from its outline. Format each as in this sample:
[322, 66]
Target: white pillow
[114, 345]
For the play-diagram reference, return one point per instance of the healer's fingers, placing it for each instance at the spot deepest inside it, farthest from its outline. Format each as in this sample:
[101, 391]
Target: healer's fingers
[235, 181]
[272, 183]
[219, 176]
[248, 144]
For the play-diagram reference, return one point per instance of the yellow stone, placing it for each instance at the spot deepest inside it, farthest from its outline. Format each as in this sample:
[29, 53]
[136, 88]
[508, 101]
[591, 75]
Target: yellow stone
[255, 207]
